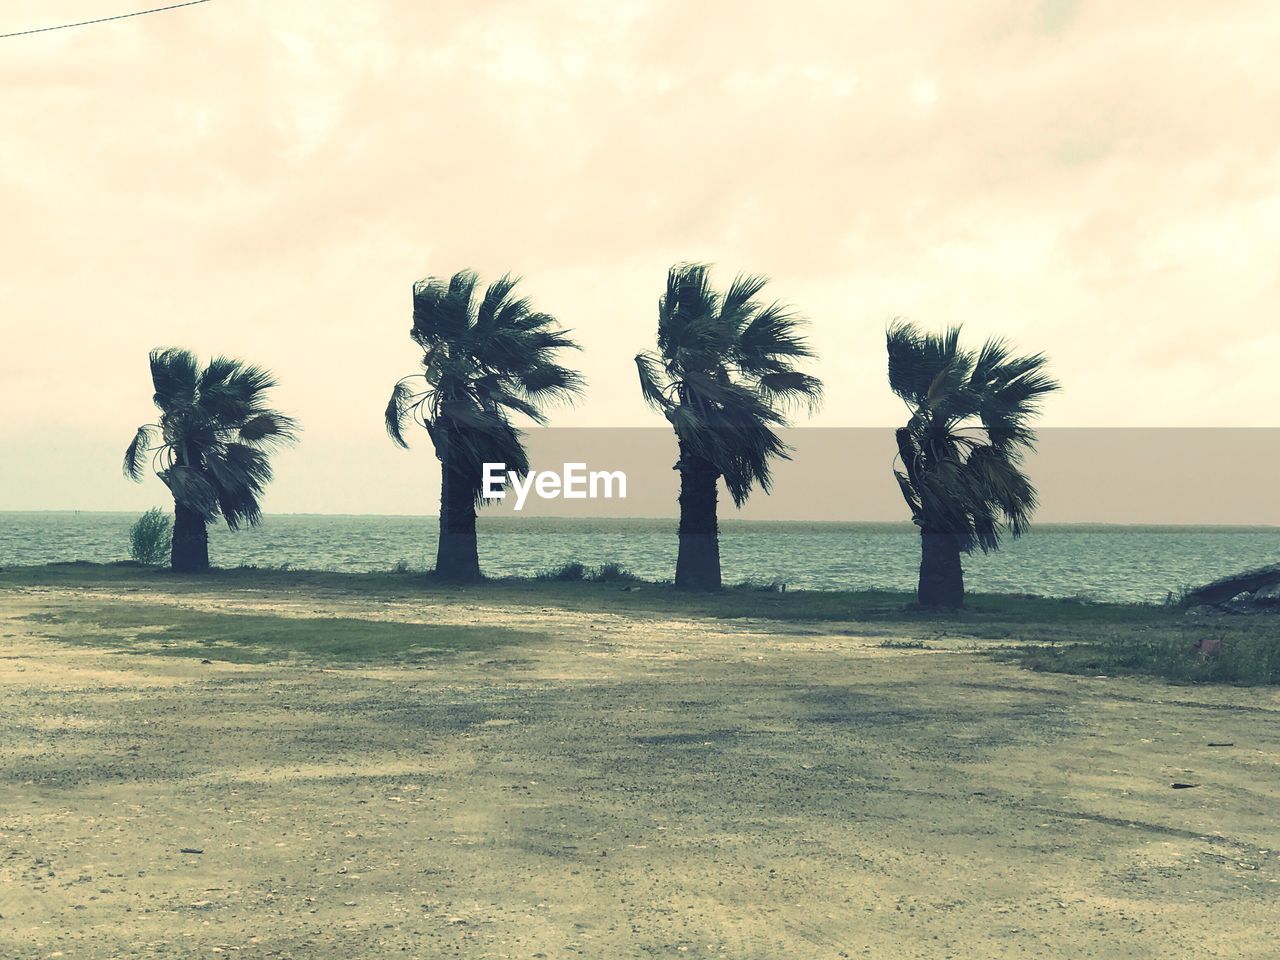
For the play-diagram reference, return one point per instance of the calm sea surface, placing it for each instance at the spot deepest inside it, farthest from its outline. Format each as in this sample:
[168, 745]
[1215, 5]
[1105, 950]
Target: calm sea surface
[1102, 562]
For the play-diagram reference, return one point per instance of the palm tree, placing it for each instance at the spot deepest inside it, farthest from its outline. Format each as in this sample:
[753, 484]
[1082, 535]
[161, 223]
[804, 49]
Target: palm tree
[482, 362]
[723, 375]
[211, 447]
[961, 451]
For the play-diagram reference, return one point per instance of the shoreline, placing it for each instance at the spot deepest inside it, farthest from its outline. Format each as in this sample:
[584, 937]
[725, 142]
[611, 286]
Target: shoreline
[1069, 635]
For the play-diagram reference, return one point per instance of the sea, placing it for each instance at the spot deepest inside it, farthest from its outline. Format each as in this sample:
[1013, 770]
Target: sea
[1142, 564]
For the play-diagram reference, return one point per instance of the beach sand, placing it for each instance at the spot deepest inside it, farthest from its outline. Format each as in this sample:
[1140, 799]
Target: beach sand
[619, 786]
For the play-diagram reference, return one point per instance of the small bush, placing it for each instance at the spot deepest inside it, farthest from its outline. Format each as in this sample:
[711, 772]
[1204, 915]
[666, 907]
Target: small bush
[150, 537]
[612, 573]
[402, 566]
[762, 586]
[570, 572]
[575, 572]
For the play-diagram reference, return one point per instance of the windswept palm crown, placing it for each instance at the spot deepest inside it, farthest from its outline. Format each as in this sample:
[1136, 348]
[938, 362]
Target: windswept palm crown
[725, 373]
[212, 443]
[961, 451]
[483, 358]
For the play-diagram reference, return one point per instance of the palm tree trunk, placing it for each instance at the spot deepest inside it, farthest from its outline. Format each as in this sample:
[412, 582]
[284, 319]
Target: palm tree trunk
[457, 556]
[698, 562]
[190, 551]
[941, 574]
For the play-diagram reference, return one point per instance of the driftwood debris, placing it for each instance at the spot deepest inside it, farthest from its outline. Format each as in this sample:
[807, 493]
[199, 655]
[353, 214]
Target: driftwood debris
[1259, 587]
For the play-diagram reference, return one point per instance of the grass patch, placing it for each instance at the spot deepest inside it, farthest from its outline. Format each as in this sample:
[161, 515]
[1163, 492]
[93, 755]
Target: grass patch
[1065, 635]
[165, 630]
[989, 616]
[1244, 653]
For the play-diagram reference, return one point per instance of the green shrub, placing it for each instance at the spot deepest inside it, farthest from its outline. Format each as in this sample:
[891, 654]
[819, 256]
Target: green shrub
[762, 586]
[571, 571]
[575, 572]
[612, 573]
[150, 537]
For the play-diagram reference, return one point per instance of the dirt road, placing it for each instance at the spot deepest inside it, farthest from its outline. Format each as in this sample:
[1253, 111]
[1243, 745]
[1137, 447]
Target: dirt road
[623, 786]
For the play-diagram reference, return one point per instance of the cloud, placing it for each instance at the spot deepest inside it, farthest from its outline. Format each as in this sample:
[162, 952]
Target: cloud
[1097, 181]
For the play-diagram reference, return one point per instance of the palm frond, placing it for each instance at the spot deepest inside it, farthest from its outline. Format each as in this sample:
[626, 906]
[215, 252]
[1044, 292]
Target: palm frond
[218, 371]
[651, 383]
[512, 401]
[442, 310]
[549, 381]
[269, 428]
[687, 310]
[396, 412]
[135, 455]
[497, 302]
[173, 376]
[790, 388]
[908, 494]
[753, 447]
[234, 392]
[192, 489]
[247, 471]
[946, 385]
[771, 337]
[465, 439]
[902, 341]
[737, 307]
[239, 474]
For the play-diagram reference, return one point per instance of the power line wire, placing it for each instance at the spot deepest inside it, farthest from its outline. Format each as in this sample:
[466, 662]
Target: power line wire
[119, 16]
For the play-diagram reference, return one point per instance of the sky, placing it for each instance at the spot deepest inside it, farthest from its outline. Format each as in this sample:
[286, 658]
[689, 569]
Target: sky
[1094, 180]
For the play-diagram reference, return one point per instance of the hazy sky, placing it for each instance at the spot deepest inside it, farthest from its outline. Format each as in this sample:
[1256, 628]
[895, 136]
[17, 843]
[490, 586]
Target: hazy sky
[1100, 181]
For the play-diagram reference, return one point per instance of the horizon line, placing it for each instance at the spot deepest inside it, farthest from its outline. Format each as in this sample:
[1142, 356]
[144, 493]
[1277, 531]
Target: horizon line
[675, 518]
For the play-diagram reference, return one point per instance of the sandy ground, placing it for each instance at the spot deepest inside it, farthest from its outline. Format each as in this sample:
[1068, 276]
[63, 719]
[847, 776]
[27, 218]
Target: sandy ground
[632, 787]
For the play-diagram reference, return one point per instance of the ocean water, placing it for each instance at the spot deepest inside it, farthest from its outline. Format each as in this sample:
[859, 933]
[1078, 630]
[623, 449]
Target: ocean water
[1102, 562]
